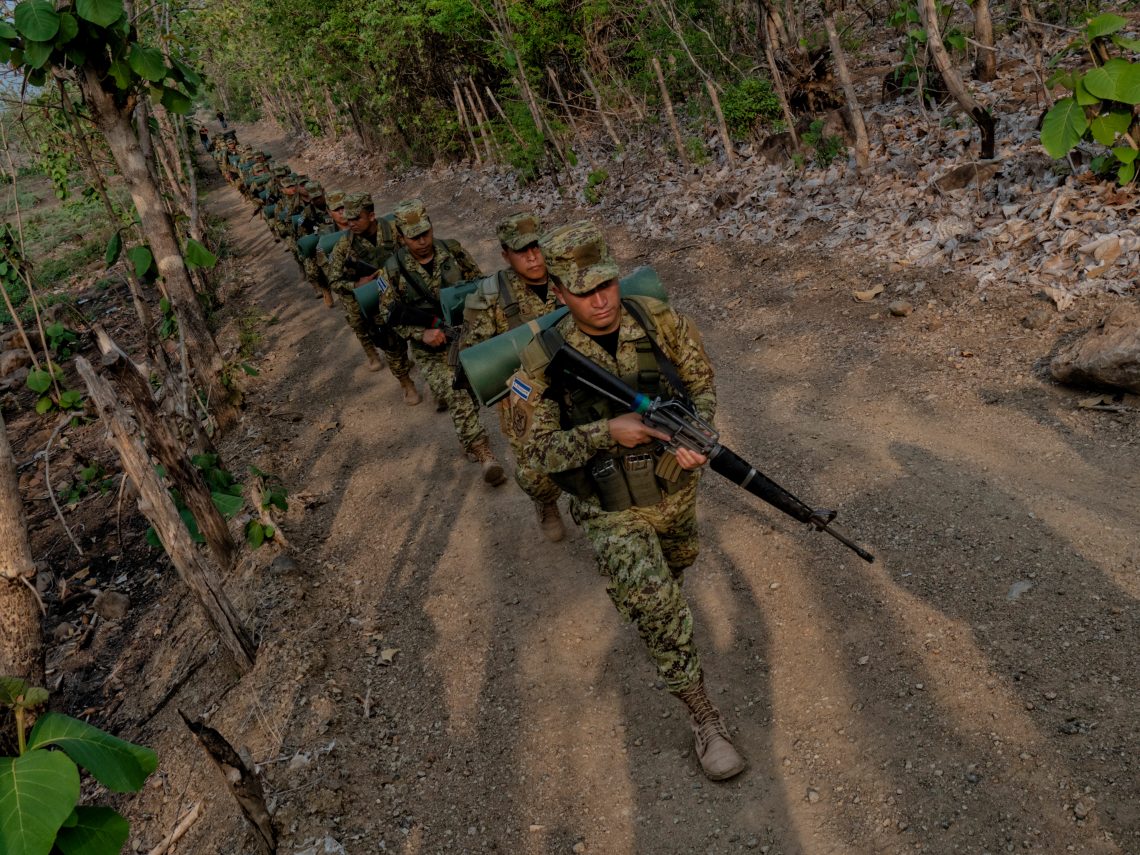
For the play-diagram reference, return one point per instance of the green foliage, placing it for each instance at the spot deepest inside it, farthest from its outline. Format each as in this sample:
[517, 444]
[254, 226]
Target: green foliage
[97, 34]
[825, 148]
[57, 163]
[39, 788]
[695, 150]
[906, 17]
[61, 340]
[52, 397]
[197, 255]
[748, 103]
[91, 479]
[594, 189]
[1102, 106]
[169, 326]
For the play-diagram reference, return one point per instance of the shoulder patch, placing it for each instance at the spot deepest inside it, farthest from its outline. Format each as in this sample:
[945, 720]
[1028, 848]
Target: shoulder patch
[521, 388]
[381, 284]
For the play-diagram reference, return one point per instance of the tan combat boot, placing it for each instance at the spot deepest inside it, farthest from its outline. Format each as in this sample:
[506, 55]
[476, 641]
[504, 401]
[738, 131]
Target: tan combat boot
[374, 361]
[719, 759]
[492, 470]
[550, 521]
[411, 394]
[327, 295]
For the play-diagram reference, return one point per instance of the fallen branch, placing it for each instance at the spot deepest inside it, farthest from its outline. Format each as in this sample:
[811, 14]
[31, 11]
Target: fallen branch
[179, 830]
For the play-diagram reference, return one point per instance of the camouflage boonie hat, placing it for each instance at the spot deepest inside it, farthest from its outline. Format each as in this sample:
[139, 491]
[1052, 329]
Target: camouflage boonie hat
[314, 188]
[280, 170]
[334, 199]
[577, 256]
[354, 203]
[411, 218]
[518, 231]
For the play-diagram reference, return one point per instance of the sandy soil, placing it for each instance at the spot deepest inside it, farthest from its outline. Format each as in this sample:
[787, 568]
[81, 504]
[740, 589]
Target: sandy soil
[975, 690]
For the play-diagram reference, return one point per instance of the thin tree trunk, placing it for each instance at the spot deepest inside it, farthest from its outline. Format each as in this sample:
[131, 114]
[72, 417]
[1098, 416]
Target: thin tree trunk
[205, 358]
[668, 103]
[985, 69]
[982, 117]
[21, 633]
[503, 116]
[770, 30]
[562, 100]
[598, 105]
[729, 155]
[480, 125]
[464, 122]
[156, 504]
[484, 118]
[330, 107]
[862, 146]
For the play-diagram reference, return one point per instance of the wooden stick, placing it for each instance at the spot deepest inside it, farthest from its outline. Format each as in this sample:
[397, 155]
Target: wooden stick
[155, 502]
[668, 102]
[862, 146]
[179, 830]
[503, 116]
[778, 81]
[478, 123]
[729, 154]
[484, 119]
[562, 99]
[598, 104]
[464, 122]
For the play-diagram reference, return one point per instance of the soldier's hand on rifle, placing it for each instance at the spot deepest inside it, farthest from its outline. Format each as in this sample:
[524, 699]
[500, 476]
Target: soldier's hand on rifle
[360, 280]
[689, 459]
[629, 430]
[433, 338]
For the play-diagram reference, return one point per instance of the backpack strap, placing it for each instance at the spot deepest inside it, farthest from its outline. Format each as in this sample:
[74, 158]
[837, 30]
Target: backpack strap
[507, 300]
[417, 284]
[652, 363]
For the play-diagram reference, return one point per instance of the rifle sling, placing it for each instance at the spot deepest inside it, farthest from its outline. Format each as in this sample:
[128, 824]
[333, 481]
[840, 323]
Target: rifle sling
[663, 364]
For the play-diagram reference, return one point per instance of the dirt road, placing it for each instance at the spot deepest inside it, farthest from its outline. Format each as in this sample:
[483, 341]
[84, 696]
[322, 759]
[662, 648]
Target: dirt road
[434, 677]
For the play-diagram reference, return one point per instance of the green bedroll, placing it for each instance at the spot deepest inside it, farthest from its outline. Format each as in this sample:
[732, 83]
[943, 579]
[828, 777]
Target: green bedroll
[490, 364]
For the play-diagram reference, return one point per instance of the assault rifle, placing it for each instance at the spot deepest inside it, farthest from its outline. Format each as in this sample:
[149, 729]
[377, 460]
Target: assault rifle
[688, 430]
[402, 313]
[359, 268]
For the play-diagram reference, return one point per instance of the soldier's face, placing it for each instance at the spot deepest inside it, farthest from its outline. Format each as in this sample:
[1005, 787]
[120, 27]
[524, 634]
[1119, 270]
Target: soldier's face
[420, 246]
[362, 223]
[528, 263]
[595, 313]
[339, 218]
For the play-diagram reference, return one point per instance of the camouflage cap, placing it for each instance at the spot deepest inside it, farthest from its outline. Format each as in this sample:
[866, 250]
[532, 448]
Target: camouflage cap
[281, 170]
[577, 256]
[354, 203]
[518, 231]
[334, 199]
[314, 188]
[411, 218]
[289, 180]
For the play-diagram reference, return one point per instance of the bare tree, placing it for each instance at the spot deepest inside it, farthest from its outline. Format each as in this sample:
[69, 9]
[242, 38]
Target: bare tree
[985, 68]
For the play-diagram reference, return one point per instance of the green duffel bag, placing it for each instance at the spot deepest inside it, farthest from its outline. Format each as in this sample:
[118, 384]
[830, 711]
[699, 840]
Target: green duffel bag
[490, 364]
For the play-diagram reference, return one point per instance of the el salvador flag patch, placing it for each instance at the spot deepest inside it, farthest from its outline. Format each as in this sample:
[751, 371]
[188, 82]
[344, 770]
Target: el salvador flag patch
[521, 389]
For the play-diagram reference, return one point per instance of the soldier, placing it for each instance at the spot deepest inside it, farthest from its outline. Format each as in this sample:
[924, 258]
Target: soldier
[635, 499]
[516, 294]
[356, 259]
[413, 276]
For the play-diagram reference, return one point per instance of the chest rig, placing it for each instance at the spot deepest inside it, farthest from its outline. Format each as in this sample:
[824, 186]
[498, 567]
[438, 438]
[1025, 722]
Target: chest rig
[417, 291]
[628, 477]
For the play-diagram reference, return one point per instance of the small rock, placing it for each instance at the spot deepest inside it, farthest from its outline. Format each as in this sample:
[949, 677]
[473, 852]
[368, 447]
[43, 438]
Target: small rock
[300, 761]
[900, 308]
[63, 631]
[1038, 319]
[1081, 810]
[11, 360]
[578, 847]
[812, 795]
[112, 605]
[283, 564]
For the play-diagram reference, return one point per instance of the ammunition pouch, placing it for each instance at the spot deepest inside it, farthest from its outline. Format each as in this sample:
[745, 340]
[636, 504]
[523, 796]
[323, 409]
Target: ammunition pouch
[632, 478]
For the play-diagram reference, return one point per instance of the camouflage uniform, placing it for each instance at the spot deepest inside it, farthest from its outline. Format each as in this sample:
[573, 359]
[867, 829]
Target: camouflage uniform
[343, 281]
[450, 265]
[644, 550]
[485, 316]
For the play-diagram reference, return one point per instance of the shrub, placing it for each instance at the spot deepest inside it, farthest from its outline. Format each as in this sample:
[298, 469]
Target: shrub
[749, 102]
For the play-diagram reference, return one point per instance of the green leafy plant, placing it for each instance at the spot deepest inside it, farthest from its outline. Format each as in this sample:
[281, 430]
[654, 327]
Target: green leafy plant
[825, 148]
[1103, 104]
[914, 67]
[40, 812]
[749, 103]
[273, 495]
[169, 326]
[91, 478]
[45, 382]
[594, 190]
[61, 339]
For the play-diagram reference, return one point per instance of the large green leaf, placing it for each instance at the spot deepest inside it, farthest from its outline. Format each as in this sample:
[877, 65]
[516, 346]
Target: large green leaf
[227, 505]
[197, 255]
[13, 687]
[1127, 43]
[1063, 127]
[36, 54]
[1082, 94]
[36, 20]
[114, 248]
[97, 831]
[141, 258]
[1116, 80]
[1125, 154]
[121, 71]
[68, 28]
[117, 764]
[175, 101]
[1104, 25]
[37, 794]
[7, 31]
[1107, 127]
[148, 63]
[101, 12]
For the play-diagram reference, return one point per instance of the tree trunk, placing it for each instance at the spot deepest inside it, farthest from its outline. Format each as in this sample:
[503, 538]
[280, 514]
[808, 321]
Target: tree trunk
[157, 227]
[667, 102]
[155, 502]
[601, 110]
[729, 155]
[954, 85]
[862, 146]
[985, 69]
[770, 38]
[464, 122]
[21, 634]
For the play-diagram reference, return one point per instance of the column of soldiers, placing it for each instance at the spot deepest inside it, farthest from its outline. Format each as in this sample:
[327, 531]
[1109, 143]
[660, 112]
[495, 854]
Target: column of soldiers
[564, 440]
